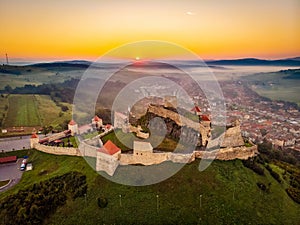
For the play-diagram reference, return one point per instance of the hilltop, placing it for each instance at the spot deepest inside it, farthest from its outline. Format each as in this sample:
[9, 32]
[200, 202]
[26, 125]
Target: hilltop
[229, 195]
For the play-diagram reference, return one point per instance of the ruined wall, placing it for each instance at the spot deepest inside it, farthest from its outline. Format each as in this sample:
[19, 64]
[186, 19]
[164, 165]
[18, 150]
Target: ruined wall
[175, 123]
[57, 150]
[181, 158]
[138, 131]
[233, 136]
[230, 153]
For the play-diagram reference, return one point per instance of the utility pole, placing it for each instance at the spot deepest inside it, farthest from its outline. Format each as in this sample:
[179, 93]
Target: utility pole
[233, 193]
[6, 58]
[200, 201]
[120, 200]
[157, 203]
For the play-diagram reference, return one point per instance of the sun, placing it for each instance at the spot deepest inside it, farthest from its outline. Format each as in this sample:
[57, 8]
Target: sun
[137, 58]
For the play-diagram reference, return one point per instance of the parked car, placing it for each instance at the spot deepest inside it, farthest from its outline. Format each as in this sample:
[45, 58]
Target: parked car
[23, 167]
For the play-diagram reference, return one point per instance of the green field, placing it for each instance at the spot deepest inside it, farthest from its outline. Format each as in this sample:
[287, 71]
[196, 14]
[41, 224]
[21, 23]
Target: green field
[229, 196]
[18, 76]
[50, 113]
[22, 111]
[124, 141]
[282, 85]
[3, 107]
[33, 110]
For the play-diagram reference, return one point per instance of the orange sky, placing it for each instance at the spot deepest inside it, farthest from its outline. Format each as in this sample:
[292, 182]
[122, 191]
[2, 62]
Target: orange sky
[89, 28]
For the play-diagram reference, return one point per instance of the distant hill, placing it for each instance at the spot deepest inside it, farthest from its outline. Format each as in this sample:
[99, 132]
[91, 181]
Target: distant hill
[257, 62]
[282, 85]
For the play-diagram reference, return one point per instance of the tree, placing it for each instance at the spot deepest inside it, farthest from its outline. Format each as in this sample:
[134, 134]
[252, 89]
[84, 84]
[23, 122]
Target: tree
[64, 108]
[8, 89]
[102, 202]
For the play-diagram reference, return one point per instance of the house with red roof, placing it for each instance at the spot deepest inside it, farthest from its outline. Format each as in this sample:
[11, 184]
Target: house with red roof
[196, 110]
[97, 121]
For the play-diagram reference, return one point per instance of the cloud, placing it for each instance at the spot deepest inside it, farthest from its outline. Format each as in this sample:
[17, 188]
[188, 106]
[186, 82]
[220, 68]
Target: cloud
[190, 13]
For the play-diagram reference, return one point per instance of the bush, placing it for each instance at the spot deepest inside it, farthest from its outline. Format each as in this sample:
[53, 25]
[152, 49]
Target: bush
[275, 175]
[102, 202]
[294, 193]
[251, 164]
[64, 108]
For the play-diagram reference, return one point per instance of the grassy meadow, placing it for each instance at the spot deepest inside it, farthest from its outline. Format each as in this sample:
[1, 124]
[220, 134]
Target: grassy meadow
[282, 85]
[18, 76]
[22, 111]
[229, 195]
[32, 110]
[51, 114]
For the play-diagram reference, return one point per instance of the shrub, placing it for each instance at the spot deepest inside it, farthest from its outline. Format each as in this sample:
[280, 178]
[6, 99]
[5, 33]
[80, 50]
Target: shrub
[64, 108]
[261, 186]
[294, 193]
[102, 202]
[275, 175]
[251, 164]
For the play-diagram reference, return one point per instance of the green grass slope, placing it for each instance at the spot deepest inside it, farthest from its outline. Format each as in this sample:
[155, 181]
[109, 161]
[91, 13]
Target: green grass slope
[229, 196]
[281, 85]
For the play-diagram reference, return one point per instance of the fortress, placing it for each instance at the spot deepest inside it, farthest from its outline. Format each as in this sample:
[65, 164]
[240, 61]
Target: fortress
[109, 156]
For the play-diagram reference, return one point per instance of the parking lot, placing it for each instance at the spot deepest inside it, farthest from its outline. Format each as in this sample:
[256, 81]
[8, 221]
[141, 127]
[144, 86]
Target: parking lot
[11, 171]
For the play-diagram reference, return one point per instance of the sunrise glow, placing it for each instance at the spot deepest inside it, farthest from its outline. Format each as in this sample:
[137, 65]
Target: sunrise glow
[88, 29]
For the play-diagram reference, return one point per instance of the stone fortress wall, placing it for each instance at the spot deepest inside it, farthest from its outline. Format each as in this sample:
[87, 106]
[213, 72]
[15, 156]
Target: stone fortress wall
[232, 146]
[57, 150]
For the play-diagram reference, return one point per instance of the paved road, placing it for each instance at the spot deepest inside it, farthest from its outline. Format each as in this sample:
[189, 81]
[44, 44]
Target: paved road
[10, 171]
[15, 143]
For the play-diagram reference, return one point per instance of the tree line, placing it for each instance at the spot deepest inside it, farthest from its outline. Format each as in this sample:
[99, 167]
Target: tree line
[33, 205]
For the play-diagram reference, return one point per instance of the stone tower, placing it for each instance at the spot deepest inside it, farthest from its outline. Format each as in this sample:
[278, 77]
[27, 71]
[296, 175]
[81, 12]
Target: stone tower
[34, 140]
[73, 127]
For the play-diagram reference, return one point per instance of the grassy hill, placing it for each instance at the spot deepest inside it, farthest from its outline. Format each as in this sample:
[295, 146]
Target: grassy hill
[229, 190]
[281, 85]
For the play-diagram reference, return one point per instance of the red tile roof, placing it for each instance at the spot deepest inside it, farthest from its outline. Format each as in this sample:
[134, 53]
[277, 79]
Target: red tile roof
[196, 109]
[96, 118]
[34, 135]
[205, 118]
[109, 148]
[108, 126]
[72, 122]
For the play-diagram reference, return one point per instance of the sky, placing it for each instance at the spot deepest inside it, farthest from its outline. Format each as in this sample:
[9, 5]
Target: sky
[87, 29]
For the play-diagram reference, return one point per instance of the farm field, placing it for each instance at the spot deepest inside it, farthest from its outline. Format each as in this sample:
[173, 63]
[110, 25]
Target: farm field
[3, 107]
[22, 111]
[50, 113]
[33, 111]
[229, 195]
